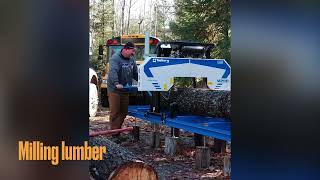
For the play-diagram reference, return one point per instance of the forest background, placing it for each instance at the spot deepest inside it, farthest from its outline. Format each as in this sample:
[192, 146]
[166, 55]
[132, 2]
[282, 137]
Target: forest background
[207, 21]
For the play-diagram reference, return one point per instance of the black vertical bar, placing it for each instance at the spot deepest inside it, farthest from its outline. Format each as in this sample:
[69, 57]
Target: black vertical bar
[194, 83]
[155, 102]
[198, 139]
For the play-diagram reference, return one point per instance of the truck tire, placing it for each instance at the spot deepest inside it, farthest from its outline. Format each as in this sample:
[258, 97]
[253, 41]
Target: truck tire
[93, 100]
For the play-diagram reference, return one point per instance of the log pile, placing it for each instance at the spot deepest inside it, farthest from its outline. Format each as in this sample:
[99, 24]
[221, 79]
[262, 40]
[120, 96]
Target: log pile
[118, 163]
[205, 102]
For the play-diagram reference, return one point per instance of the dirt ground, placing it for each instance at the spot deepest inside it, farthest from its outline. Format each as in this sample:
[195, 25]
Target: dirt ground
[180, 166]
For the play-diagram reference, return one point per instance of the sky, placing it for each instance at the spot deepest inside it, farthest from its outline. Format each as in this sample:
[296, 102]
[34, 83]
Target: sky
[138, 7]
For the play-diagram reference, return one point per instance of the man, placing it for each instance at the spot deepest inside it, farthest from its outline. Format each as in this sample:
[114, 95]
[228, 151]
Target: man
[122, 70]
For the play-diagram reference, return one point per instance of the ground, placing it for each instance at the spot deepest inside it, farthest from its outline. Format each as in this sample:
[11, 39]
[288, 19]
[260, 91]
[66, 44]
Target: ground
[180, 166]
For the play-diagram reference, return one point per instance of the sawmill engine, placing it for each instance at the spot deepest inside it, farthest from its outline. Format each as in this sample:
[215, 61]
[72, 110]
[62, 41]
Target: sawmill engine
[184, 50]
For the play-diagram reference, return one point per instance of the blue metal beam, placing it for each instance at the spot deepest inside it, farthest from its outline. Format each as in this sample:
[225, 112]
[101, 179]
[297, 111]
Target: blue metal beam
[207, 126]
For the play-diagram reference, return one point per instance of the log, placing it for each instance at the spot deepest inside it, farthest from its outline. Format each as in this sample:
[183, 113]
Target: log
[134, 170]
[202, 157]
[204, 102]
[117, 162]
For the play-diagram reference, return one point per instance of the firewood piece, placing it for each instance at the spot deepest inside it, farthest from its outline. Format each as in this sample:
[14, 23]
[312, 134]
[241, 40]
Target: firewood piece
[170, 145]
[202, 157]
[134, 170]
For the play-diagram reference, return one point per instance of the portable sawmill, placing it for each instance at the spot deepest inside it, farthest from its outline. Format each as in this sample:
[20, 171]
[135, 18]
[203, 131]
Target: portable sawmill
[187, 59]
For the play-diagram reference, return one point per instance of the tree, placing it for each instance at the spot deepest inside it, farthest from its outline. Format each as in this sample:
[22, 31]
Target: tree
[122, 16]
[205, 21]
[129, 13]
[101, 28]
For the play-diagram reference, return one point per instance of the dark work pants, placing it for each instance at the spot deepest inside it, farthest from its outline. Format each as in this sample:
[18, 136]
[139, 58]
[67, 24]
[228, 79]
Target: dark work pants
[118, 104]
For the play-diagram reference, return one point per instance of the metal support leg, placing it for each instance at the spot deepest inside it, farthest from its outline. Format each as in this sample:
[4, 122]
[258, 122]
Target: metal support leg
[198, 139]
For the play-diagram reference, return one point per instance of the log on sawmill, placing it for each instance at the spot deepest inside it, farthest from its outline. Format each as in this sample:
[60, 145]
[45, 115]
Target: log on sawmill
[118, 163]
[204, 102]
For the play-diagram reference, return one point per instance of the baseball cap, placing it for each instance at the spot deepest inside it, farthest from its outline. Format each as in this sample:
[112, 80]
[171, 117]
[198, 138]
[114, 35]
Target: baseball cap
[129, 45]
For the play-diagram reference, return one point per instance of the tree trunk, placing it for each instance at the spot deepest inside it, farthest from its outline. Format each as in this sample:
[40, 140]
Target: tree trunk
[113, 19]
[122, 16]
[202, 102]
[118, 162]
[129, 16]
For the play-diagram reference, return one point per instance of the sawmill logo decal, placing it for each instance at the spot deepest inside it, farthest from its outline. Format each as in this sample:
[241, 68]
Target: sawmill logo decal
[223, 80]
[158, 62]
[161, 60]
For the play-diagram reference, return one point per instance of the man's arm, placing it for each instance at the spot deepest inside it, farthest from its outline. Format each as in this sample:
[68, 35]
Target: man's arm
[113, 71]
[135, 71]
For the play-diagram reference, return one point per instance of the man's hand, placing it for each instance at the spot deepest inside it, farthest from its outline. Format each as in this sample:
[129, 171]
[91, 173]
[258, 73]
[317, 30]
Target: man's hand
[119, 86]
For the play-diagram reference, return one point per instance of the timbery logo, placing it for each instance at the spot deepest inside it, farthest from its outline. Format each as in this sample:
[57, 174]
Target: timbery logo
[160, 60]
[223, 80]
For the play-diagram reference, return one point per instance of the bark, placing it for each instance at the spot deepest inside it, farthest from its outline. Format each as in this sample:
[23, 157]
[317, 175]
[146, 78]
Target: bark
[118, 161]
[128, 26]
[122, 16]
[202, 102]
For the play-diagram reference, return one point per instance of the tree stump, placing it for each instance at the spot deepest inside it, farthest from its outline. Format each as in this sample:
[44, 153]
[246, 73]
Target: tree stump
[202, 157]
[227, 166]
[153, 140]
[170, 145]
[133, 171]
[156, 141]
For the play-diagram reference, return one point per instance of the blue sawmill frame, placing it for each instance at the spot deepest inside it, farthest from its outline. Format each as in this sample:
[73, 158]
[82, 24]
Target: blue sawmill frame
[207, 126]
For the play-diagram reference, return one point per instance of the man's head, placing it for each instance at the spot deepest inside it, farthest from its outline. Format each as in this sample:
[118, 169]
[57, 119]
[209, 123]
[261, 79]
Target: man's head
[128, 50]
